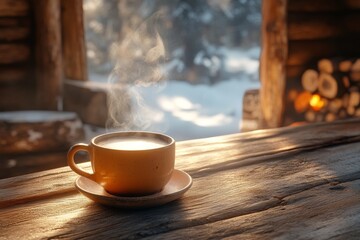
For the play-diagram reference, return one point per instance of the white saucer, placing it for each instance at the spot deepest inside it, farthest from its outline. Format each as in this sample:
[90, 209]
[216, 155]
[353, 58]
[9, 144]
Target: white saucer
[179, 183]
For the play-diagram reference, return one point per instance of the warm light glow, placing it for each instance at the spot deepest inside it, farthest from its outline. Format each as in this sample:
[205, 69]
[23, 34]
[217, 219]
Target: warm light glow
[301, 102]
[316, 102]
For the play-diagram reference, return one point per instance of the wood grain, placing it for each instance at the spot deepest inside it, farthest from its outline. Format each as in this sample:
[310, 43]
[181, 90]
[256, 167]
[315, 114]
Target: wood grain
[17, 97]
[321, 212]
[307, 51]
[273, 60]
[14, 8]
[87, 97]
[14, 34]
[14, 53]
[49, 68]
[322, 5]
[73, 40]
[279, 183]
[46, 131]
[14, 74]
[198, 158]
[320, 25]
[6, 22]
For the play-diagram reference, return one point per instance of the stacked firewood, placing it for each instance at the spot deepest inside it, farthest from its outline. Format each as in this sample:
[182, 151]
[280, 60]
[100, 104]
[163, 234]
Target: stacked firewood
[331, 92]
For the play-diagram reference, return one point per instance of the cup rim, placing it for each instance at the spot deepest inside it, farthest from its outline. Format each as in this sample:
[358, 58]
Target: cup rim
[140, 133]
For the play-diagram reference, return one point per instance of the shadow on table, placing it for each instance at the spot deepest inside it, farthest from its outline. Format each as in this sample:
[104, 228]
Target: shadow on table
[103, 221]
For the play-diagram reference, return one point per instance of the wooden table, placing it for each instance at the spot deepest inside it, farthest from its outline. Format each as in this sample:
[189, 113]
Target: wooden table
[290, 183]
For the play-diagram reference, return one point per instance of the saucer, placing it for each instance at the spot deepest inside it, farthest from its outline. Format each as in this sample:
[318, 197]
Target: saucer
[179, 183]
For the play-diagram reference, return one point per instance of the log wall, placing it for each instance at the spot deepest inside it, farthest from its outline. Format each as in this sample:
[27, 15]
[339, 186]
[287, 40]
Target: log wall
[17, 81]
[313, 30]
[317, 30]
[41, 43]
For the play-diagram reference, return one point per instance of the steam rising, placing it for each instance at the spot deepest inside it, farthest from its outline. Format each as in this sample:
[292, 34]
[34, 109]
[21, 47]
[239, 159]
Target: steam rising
[139, 60]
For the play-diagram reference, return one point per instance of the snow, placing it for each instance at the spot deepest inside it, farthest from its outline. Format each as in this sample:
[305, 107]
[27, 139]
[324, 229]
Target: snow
[186, 111]
[34, 136]
[242, 60]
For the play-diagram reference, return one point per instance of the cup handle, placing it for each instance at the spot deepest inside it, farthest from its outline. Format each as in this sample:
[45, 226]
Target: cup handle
[71, 161]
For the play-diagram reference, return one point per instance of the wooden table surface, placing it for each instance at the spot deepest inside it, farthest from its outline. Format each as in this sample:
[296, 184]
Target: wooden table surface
[289, 183]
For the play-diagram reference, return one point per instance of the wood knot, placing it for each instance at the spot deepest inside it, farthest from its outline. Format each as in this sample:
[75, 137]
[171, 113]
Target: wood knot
[337, 187]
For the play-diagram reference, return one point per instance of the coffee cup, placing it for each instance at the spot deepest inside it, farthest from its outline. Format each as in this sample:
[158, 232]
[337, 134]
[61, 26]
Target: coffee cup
[128, 163]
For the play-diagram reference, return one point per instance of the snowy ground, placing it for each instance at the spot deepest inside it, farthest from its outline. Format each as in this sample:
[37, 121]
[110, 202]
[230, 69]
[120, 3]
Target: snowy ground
[187, 111]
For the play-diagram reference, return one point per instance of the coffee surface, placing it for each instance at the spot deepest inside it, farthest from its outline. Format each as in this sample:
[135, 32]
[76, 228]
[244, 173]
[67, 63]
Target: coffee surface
[133, 143]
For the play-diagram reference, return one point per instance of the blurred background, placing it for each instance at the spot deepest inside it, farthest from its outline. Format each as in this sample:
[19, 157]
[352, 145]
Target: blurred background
[204, 56]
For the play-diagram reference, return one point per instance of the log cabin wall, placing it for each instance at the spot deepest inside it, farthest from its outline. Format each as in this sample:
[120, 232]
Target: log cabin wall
[17, 82]
[42, 52]
[296, 35]
[42, 43]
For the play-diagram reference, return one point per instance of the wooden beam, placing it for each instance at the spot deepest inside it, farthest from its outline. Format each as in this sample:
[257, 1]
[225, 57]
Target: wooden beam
[322, 5]
[49, 71]
[90, 101]
[273, 59]
[304, 51]
[14, 74]
[14, 8]
[73, 40]
[15, 21]
[315, 26]
[302, 26]
[14, 53]
[17, 97]
[14, 33]
[15, 28]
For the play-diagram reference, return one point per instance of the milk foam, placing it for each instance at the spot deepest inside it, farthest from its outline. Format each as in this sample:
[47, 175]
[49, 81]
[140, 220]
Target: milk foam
[133, 143]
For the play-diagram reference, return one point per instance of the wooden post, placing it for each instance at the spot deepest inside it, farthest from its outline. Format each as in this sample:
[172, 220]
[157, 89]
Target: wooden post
[73, 38]
[48, 53]
[273, 62]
